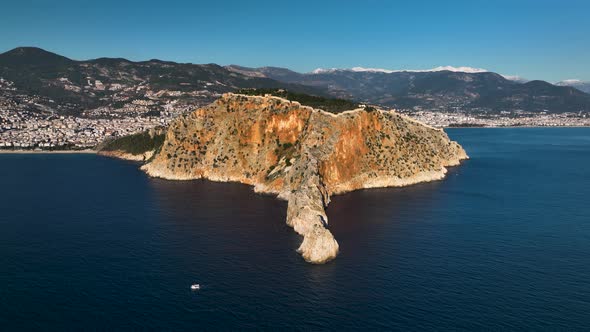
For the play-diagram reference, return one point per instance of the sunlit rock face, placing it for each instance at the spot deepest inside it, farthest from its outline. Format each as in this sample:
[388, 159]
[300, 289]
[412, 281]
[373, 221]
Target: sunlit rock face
[302, 155]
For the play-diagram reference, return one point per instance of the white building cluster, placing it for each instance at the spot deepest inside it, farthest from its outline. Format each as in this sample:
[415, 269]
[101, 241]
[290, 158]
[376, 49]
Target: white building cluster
[504, 119]
[30, 131]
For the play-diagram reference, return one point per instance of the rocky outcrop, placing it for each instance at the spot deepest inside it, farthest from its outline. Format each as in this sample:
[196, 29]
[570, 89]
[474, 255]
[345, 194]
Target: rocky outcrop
[145, 156]
[303, 155]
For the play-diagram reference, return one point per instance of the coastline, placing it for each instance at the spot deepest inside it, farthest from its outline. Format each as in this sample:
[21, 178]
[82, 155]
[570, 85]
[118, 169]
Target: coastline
[86, 151]
[139, 158]
[303, 155]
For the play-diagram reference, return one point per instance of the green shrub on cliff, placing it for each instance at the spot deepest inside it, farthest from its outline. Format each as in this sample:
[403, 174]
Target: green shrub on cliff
[332, 105]
[135, 144]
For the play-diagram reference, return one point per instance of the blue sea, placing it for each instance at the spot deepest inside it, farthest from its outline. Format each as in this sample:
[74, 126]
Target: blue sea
[503, 243]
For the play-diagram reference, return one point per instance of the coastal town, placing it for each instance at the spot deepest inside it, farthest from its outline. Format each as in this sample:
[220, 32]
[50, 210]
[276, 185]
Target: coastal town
[24, 129]
[502, 119]
[37, 122]
[28, 126]
[34, 131]
[50, 102]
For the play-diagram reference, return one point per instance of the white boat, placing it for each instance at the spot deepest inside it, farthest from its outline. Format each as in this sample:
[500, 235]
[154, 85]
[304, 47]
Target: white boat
[195, 287]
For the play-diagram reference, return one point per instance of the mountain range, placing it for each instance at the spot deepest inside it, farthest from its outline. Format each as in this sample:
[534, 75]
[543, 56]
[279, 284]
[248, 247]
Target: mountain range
[443, 89]
[50, 81]
[70, 86]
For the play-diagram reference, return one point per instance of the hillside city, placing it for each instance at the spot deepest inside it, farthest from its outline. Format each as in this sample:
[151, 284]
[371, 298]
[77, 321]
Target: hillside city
[29, 130]
[503, 119]
[26, 122]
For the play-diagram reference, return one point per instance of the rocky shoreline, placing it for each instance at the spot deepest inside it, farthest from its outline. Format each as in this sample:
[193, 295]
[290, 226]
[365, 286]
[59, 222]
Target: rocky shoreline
[127, 156]
[302, 155]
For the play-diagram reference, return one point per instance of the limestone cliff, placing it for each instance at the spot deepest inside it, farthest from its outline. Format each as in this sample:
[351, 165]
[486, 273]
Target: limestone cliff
[303, 155]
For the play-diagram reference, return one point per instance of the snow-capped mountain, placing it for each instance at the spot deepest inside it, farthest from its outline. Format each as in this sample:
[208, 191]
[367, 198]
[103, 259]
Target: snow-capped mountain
[578, 84]
[74, 86]
[516, 78]
[440, 88]
[389, 71]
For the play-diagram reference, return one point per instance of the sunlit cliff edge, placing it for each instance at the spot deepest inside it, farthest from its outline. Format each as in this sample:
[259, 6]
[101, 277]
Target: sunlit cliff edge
[303, 155]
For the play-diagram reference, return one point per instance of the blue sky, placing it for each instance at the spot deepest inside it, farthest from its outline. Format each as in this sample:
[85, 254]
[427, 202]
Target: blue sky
[538, 39]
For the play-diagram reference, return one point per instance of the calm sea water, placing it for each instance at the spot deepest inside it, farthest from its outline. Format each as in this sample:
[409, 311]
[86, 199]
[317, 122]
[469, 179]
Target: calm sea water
[502, 243]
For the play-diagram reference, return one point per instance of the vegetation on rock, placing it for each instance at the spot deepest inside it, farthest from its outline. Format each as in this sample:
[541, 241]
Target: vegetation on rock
[332, 105]
[135, 144]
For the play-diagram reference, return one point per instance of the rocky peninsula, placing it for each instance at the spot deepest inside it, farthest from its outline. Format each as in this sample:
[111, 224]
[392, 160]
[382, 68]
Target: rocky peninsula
[302, 155]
